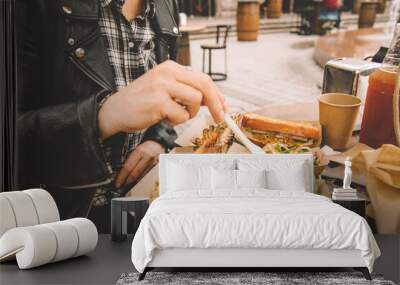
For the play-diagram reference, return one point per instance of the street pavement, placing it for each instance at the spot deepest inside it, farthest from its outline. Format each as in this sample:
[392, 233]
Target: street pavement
[275, 69]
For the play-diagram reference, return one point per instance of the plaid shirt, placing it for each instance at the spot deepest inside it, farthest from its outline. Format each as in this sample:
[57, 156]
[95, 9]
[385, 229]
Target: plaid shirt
[130, 49]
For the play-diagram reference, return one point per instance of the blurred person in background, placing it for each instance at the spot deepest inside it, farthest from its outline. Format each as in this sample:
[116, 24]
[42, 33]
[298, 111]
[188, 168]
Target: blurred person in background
[336, 7]
[98, 96]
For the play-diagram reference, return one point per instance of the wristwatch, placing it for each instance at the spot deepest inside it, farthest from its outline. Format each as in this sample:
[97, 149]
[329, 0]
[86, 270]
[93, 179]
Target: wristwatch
[163, 133]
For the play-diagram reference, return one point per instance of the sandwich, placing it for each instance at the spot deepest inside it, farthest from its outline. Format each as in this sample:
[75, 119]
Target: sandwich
[273, 135]
[280, 136]
[215, 139]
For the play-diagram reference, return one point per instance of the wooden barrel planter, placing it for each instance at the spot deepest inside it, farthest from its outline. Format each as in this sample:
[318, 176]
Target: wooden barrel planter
[382, 6]
[248, 20]
[274, 9]
[356, 6]
[184, 50]
[367, 15]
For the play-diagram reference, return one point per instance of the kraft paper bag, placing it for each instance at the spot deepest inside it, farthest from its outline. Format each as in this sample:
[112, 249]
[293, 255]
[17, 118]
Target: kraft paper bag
[383, 185]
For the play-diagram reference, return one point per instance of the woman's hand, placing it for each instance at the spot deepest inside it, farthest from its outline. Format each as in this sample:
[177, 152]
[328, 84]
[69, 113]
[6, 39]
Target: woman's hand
[139, 162]
[168, 92]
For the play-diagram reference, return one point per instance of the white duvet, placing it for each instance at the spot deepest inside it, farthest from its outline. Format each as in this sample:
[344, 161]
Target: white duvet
[253, 218]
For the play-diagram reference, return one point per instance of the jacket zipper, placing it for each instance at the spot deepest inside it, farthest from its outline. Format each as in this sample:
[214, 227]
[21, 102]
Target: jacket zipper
[81, 17]
[90, 185]
[105, 182]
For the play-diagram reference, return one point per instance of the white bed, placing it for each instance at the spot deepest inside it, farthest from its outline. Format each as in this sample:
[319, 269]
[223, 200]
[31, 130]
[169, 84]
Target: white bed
[210, 226]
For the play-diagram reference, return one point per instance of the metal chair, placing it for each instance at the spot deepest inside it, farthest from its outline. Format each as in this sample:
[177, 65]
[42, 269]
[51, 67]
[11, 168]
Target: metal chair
[219, 44]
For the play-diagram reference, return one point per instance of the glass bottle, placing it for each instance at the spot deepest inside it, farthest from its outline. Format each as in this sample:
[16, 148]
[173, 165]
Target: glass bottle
[377, 125]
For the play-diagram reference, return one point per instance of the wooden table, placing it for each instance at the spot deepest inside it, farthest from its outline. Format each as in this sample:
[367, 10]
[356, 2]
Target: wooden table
[184, 48]
[355, 43]
[307, 111]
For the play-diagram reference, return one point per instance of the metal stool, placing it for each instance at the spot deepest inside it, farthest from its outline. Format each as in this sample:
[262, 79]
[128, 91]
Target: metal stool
[217, 76]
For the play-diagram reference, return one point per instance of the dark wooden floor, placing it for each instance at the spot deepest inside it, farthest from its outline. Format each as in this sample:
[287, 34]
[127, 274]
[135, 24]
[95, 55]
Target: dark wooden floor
[110, 260]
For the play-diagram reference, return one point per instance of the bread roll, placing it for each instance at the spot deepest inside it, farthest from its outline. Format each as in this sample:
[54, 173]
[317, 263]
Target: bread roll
[261, 123]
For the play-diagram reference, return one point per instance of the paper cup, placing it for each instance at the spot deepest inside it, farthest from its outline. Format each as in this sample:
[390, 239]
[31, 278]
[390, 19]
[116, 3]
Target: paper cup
[337, 115]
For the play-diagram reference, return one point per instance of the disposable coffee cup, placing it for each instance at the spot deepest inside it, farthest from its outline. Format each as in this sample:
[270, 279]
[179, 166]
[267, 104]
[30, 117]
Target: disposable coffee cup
[337, 115]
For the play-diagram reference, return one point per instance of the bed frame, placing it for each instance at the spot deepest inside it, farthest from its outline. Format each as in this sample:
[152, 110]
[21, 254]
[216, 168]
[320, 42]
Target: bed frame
[246, 258]
[243, 259]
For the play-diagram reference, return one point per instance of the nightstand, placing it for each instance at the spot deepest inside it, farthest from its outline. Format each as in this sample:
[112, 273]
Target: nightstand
[126, 209]
[355, 205]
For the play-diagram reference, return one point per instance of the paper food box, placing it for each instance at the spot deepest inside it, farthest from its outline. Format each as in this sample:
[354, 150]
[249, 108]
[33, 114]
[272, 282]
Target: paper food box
[202, 135]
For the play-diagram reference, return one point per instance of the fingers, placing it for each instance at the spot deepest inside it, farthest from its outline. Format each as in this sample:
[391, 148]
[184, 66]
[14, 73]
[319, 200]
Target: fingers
[139, 162]
[133, 159]
[174, 113]
[211, 94]
[139, 170]
[224, 105]
[212, 97]
[185, 95]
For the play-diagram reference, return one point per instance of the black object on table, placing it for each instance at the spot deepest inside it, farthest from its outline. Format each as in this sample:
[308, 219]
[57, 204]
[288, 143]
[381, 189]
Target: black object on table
[357, 206]
[124, 210]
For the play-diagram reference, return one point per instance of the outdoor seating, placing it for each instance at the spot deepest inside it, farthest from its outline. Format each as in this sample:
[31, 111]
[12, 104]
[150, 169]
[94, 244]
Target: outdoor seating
[308, 13]
[329, 20]
[315, 19]
[220, 44]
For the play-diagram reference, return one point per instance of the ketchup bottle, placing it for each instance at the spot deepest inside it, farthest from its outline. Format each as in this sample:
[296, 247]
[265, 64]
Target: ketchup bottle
[377, 125]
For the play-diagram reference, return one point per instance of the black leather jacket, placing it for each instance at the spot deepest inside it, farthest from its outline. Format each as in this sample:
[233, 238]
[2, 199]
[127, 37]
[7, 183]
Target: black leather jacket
[59, 89]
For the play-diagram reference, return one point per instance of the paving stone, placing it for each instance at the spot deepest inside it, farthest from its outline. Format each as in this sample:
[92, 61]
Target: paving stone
[276, 69]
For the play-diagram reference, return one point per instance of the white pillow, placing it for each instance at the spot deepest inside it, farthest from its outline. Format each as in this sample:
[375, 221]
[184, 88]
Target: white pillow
[223, 179]
[183, 177]
[251, 179]
[282, 173]
[293, 180]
